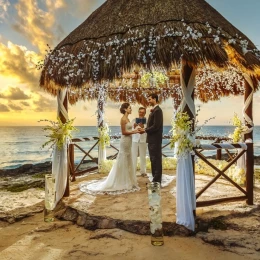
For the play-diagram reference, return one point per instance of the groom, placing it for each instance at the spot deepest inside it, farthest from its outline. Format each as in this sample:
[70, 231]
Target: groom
[154, 132]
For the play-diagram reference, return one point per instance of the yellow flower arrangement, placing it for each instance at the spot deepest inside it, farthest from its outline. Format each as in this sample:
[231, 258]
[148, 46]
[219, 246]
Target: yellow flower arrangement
[241, 128]
[182, 133]
[59, 132]
[156, 76]
[104, 138]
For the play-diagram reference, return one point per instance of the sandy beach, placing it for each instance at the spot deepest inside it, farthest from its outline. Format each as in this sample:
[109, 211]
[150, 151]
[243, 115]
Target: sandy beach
[233, 229]
[34, 239]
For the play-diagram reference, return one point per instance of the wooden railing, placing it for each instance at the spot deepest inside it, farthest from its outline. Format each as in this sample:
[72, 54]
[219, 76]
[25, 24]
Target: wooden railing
[233, 157]
[247, 194]
[75, 169]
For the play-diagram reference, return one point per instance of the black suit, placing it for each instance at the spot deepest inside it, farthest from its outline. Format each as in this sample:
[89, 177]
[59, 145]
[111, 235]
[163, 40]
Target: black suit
[154, 132]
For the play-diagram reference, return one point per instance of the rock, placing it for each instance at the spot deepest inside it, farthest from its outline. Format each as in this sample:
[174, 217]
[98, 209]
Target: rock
[27, 169]
[81, 220]
[21, 213]
[107, 223]
[70, 214]
[133, 226]
[21, 183]
[91, 224]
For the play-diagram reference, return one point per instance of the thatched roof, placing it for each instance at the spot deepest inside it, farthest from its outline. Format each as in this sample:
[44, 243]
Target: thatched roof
[123, 34]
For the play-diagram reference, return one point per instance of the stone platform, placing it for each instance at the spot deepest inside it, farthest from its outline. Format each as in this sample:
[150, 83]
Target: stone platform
[130, 211]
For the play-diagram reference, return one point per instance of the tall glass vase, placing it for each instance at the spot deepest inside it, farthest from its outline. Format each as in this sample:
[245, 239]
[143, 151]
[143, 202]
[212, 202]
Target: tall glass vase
[49, 198]
[154, 197]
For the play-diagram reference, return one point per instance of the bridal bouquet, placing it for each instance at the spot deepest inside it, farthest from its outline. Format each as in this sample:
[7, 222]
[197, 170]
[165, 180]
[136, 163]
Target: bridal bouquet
[104, 137]
[241, 128]
[59, 132]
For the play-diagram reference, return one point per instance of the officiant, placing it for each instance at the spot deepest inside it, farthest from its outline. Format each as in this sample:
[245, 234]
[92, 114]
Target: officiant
[139, 145]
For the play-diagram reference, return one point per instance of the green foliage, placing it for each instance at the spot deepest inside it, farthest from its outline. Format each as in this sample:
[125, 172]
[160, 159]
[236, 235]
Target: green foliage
[156, 77]
[59, 132]
[182, 133]
[104, 138]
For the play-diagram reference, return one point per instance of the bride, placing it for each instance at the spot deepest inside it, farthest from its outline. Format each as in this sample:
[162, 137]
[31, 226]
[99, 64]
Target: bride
[121, 178]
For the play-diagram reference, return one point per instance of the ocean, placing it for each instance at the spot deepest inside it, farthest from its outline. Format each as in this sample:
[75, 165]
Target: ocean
[22, 144]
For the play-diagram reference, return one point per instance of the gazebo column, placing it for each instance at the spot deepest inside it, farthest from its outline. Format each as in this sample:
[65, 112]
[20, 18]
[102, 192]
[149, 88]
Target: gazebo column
[248, 117]
[188, 74]
[62, 171]
[185, 186]
[100, 118]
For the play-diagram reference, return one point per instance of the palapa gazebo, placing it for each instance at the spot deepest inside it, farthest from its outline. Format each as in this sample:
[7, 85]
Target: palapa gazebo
[193, 49]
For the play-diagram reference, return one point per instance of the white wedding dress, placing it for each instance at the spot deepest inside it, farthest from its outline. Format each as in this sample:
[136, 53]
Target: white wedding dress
[121, 178]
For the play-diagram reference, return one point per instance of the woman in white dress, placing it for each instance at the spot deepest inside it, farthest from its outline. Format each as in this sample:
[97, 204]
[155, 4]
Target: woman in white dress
[121, 178]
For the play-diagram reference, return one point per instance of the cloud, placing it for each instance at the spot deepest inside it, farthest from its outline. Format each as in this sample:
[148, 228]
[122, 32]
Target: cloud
[39, 26]
[24, 103]
[14, 106]
[4, 4]
[44, 104]
[14, 93]
[83, 8]
[4, 108]
[18, 62]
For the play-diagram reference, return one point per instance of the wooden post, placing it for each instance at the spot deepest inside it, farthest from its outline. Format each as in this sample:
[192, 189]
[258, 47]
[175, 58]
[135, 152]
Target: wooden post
[72, 163]
[219, 154]
[186, 74]
[250, 148]
[101, 108]
[100, 119]
[63, 120]
[186, 71]
[219, 151]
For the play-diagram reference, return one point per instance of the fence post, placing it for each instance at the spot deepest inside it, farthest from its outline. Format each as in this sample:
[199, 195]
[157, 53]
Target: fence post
[72, 162]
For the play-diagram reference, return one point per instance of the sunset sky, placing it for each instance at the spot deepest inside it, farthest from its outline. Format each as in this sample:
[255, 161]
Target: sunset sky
[26, 26]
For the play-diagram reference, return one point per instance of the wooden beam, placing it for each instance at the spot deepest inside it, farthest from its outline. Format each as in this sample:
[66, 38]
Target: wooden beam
[219, 201]
[63, 120]
[250, 150]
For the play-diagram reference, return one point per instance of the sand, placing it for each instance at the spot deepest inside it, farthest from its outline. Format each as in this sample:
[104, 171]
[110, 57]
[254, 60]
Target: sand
[34, 239]
[24, 234]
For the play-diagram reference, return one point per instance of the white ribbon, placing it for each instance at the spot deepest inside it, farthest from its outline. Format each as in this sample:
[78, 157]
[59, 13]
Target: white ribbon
[101, 100]
[241, 162]
[185, 187]
[187, 92]
[60, 157]
[227, 146]
[247, 103]
[60, 99]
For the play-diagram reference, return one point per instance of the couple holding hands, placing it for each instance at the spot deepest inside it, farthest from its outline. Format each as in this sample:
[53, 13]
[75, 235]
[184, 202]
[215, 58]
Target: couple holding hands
[122, 176]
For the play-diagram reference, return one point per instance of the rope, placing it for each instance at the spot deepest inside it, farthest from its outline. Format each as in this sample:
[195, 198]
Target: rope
[223, 146]
[247, 104]
[60, 99]
[187, 93]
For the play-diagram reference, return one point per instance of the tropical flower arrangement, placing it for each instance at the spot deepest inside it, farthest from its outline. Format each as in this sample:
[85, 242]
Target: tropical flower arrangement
[154, 78]
[182, 133]
[59, 132]
[104, 138]
[241, 128]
